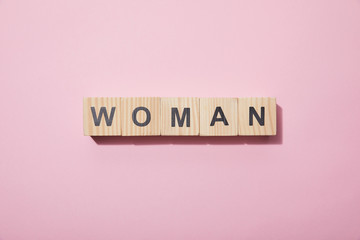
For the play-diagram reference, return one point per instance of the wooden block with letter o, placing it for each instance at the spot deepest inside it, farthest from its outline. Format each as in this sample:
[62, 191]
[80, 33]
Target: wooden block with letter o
[257, 116]
[218, 116]
[101, 116]
[140, 116]
[180, 116]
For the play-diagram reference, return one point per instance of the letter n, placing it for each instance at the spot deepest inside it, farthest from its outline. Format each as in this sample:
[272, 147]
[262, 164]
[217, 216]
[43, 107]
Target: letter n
[252, 113]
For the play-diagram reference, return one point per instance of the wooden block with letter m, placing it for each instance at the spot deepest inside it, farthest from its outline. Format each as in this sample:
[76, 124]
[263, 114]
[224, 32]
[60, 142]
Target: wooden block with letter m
[180, 116]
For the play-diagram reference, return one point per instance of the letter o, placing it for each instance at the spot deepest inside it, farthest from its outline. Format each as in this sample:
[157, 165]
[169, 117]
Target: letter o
[148, 116]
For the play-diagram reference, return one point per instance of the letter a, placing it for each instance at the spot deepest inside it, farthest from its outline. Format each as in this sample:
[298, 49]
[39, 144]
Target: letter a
[221, 119]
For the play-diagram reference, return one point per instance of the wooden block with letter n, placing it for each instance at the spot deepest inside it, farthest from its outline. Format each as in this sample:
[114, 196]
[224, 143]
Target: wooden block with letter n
[218, 116]
[257, 116]
[101, 116]
[180, 116]
[140, 116]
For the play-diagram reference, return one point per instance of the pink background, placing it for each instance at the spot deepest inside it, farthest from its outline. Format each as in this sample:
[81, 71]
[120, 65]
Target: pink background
[302, 184]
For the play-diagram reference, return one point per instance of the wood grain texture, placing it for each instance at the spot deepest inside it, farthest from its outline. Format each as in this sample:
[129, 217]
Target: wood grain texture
[207, 112]
[129, 128]
[269, 127]
[180, 103]
[88, 120]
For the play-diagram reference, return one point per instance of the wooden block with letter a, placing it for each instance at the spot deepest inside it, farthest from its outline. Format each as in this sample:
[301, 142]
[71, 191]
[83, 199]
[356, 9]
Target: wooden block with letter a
[218, 116]
[180, 117]
[101, 116]
[257, 116]
[140, 116]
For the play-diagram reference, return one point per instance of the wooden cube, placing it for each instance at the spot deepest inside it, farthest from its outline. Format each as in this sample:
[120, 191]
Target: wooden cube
[180, 117]
[218, 116]
[257, 116]
[140, 116]
[101, 116]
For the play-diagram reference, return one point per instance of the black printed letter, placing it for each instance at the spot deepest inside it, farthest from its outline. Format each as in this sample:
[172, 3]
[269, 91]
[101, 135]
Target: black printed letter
[148, 116]
[252, 113]
[221, 119]
[175, 112]
[97, 120]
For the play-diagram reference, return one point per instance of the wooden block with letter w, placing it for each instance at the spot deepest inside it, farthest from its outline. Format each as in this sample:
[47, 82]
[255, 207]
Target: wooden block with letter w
[102, 116]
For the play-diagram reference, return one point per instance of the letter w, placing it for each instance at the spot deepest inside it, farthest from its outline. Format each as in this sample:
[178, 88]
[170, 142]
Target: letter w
[97, 120]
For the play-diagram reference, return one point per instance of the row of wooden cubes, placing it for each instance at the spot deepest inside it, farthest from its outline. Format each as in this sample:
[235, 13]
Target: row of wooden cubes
[155, 116]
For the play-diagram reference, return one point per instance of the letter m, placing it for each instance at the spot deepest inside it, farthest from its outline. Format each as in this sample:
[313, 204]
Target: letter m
[185, 116]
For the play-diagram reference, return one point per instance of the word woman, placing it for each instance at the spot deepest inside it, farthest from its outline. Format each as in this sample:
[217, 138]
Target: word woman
[188, 116]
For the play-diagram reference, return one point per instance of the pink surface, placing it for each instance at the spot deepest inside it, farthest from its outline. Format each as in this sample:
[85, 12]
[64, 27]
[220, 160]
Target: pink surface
[57, 184]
